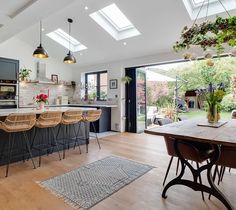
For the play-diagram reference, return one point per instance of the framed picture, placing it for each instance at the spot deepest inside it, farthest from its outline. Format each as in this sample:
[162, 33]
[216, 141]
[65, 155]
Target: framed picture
[113, 84]
[54, 78]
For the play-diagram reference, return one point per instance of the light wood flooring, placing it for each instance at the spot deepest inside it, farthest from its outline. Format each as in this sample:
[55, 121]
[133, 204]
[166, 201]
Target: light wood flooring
[21, 192]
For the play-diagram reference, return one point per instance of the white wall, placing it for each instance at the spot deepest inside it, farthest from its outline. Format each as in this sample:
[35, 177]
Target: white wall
[116, 71]
[15, 48]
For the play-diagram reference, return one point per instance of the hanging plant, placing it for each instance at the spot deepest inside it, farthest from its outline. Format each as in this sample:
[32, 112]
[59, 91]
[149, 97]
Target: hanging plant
[209, 34]
[126, 79]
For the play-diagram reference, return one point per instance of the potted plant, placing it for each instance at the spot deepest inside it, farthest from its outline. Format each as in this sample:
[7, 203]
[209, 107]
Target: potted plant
[24, 74]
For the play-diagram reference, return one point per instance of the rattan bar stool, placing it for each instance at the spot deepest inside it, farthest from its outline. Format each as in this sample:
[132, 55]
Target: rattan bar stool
[48, 121]
[91, 117]
[69, 119]
[18, 124]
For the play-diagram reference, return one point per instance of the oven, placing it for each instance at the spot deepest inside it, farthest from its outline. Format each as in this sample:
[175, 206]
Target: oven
[8, 94]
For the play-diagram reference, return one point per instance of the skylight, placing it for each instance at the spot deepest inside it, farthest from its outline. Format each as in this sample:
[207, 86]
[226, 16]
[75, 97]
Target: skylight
[113, 20]
[63, 38]
[215, 7]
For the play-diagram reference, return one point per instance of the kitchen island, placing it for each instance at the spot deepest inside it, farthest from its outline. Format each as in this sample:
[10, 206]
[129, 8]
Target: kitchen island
[103, 124]
[43, 137]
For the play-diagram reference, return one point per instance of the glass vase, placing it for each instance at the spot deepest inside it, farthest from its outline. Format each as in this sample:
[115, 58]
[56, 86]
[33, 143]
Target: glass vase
[41, 106]
[213, 116]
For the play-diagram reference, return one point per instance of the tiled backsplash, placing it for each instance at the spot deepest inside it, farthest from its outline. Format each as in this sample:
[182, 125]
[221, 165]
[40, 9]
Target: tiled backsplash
[27, 91]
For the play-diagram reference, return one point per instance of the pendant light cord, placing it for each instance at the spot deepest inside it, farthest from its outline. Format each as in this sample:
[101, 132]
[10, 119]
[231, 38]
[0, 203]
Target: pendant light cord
[69, 35]
[40, 33]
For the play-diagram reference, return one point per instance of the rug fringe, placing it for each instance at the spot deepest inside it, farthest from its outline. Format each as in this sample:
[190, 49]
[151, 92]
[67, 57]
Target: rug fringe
[61, 197]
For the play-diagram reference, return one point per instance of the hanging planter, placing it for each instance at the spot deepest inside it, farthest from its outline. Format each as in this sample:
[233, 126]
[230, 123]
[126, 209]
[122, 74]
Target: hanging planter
[209, 35]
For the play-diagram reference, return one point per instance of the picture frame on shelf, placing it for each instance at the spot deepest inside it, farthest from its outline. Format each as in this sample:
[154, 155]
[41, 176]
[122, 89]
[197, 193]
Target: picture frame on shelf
[54, 78]
[113, 84]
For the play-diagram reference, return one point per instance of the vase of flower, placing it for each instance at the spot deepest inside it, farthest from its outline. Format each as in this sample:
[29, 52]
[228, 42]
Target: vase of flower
[41, 100]
[212, 114]
[214, 97]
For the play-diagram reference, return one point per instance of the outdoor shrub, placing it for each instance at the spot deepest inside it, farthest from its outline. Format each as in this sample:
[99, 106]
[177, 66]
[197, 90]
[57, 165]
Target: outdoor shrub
[227, 103]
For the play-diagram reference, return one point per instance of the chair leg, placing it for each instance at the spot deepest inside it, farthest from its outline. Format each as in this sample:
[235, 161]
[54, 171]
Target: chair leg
[28, 147]
[200, 180]
[168, 169]
[222, 175]
[55, 140]
[177, 168]
[214, 177]
[94, 129]
[10, 146]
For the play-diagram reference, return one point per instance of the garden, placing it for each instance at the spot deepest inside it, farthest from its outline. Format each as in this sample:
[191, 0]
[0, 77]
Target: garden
[198, 75]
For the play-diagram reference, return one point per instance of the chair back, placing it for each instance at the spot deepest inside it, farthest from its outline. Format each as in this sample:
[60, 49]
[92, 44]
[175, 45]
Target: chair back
[227, 157]
[72, 117]
[194, 151]
[18, 122]
[49, 119]
[92, 115]
[164, 121]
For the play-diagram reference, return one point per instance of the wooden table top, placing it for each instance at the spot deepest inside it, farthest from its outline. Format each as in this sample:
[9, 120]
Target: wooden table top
[189, 130]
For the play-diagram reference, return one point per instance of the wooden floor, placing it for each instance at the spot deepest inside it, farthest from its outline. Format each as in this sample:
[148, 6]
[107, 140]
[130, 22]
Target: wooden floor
[20, 190]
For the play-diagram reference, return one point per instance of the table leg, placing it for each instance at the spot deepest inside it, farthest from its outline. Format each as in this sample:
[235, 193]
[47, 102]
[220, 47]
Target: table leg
[213, 190]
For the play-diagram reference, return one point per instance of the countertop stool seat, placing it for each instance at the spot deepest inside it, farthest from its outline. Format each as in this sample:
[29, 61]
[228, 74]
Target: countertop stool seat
[48, 121]
[69, 120]
[18, 124]
[91, 117]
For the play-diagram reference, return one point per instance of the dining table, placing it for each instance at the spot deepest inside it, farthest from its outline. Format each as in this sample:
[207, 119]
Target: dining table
[216, 135]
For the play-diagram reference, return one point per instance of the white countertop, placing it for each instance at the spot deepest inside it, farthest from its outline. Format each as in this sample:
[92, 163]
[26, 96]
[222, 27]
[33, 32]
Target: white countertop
[5, 112]
[95, 105]
[80, 105]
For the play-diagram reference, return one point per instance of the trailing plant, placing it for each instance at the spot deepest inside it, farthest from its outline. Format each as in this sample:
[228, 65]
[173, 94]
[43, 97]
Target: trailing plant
[209, 34]
[126, 79]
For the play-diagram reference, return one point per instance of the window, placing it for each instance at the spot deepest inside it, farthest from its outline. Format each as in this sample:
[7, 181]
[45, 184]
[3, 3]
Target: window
[215, 7]
[63, 39]
[96, 86]
[113, 20]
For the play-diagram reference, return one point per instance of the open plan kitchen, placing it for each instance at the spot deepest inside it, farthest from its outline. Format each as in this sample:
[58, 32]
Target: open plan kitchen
[117, 105]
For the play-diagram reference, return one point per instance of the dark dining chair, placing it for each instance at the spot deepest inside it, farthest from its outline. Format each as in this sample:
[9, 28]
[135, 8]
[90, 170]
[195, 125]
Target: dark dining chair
[194, 151]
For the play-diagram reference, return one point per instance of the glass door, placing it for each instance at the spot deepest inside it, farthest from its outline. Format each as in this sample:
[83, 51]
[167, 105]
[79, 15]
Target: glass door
[140, 100]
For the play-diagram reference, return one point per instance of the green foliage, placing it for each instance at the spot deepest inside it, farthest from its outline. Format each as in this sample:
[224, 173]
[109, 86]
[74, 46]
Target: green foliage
[227, 103]
[164, 101]
[209, 34]
[126, 79]
[24, 74]
[199, 75]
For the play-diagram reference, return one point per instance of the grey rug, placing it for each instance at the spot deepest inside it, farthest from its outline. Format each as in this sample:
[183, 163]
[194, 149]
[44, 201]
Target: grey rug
[86, 186]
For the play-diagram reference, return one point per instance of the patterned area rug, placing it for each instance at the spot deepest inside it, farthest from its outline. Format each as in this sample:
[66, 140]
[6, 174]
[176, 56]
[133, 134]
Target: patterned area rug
[86, 186]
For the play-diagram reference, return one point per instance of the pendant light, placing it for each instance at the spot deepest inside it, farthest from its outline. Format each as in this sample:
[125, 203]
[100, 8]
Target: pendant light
[69, 59]
[40, 52]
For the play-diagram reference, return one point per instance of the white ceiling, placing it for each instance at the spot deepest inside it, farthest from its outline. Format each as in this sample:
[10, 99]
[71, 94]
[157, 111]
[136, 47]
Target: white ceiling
[160, 23]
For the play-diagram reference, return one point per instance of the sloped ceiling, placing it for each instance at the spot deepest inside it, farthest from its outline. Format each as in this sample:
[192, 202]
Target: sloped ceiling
[160, 23]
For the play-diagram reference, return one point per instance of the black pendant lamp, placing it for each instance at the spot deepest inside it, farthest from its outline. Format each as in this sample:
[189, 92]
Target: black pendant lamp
[40, 52]
[69, 59]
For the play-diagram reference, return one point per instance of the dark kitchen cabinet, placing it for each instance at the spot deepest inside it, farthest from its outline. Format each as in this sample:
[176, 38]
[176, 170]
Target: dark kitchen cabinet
[9, 69]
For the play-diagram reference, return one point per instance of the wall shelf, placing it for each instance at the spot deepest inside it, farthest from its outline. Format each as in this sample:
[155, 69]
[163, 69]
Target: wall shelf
[44, 83]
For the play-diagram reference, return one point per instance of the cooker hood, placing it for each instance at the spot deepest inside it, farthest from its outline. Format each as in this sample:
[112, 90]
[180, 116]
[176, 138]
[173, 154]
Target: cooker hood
[41, 74]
